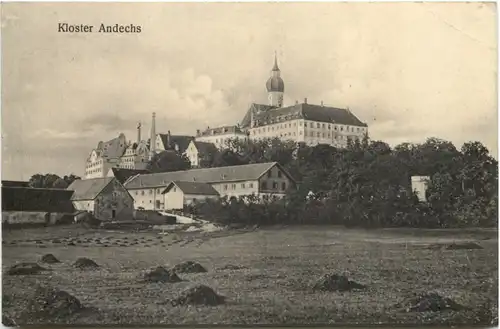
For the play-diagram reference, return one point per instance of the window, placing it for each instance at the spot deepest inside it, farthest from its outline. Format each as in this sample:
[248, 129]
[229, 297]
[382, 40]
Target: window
[158, 191]
[318, 134]
[283, 186]
[136, 192]
[300, 132]
[263, 185]
[280, 174]
[323, 135]
[323, 125]
[175, 189]
[233, 186]
[150, 191]
[142, 192]
[269, 173]
[312, 134]
[225, 187]
[275, 185]
[250, 185]
[300, 123]
[242, 185]
[317, 125]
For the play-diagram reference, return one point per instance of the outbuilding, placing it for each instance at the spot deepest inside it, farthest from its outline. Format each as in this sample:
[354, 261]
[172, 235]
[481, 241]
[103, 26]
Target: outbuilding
[179, 194]
[105, 198]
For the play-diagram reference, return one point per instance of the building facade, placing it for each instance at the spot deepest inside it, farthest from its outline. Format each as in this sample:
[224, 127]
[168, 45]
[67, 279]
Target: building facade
[258, 179]
[120, 153]
[106, 198]
[200, 152]
[180, 194]
[221, 136]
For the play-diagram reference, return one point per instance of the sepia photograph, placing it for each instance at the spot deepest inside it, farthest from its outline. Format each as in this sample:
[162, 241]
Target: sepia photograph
[251, 163]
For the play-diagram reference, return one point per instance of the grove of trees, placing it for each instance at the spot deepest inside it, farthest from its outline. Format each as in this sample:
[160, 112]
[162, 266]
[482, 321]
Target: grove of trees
[51, 181]
[367, 184]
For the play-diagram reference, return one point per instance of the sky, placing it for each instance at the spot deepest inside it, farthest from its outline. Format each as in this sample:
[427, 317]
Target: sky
[409, 70]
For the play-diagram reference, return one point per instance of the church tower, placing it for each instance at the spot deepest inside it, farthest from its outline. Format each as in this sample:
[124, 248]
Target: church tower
[275, 86]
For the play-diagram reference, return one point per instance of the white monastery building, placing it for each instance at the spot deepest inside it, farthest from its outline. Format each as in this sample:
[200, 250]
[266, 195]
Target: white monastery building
[306, 123]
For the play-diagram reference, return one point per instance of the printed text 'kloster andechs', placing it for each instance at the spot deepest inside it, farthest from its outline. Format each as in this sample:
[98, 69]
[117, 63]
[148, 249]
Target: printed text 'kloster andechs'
[103, 28]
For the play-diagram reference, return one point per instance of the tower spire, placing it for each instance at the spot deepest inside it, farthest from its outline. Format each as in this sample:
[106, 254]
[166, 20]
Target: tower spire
[275, 67]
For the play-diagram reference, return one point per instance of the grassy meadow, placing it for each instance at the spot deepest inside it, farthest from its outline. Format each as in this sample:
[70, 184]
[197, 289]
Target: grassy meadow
[270, 282]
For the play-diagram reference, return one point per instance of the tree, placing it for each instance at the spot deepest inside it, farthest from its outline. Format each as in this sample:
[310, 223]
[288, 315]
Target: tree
[51, 181]
[168, 161]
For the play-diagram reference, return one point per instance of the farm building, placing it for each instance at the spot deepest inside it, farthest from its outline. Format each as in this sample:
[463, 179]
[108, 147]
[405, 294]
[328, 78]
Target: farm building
[105, 198]
[258, 179]
[179, 194]
[26, 205]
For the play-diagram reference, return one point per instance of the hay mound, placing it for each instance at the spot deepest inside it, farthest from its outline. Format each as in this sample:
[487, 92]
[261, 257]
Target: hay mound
[85, 263]
[50, 259]
[8, 322]
[432, 302]
[160, 274]
[53, 303]
[464, 245]
[334, 282]
[25, 269]
[199, 295]
[189, 267]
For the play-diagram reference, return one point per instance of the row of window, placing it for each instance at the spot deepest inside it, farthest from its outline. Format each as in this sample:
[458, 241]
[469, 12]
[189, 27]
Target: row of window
[233, 186]
[306, 124]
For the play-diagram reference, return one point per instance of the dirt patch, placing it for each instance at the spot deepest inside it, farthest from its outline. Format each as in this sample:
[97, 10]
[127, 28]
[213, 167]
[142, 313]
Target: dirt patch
[464, 245]
[160, 274]
[334, 282]
[189, 267]
[199, 295]
[53, 303]
[49, 259]
[26, 269]
[85, 263]
[432, 302]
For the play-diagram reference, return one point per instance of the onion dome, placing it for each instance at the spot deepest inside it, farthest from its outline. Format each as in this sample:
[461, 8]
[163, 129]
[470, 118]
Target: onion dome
[275, 83]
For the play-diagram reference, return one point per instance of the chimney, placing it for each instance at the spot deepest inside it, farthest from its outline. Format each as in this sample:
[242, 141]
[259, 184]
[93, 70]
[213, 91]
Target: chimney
[321, 103]
[152, 143]
[305, 100]
[168, 138]
[197, 132]
[296, 102]
[138, 133]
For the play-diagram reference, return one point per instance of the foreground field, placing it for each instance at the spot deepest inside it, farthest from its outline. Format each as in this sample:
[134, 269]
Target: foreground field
[273, 284]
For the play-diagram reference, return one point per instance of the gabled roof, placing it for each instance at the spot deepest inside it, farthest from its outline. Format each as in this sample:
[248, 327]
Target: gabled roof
[305, 111]
[122, 174]
[88, 189]
[192, 188]
[36, 199]
[181, 140]
[205, 175]
[256, 108]
[205, 147]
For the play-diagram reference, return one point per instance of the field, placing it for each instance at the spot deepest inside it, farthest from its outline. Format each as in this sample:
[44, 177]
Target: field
[277, 268]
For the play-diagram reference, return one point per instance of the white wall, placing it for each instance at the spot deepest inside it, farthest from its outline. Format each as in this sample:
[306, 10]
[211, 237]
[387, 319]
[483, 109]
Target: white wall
[86, 205]
[174, 199]
[148, 198]
[220, 140]
[419, 185]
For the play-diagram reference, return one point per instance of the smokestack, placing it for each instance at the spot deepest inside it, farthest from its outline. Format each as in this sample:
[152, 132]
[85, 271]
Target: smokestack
[305, 100]
[152, 143]
[138, 133]
[198, 132]
[168, 138]
[321, 103]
